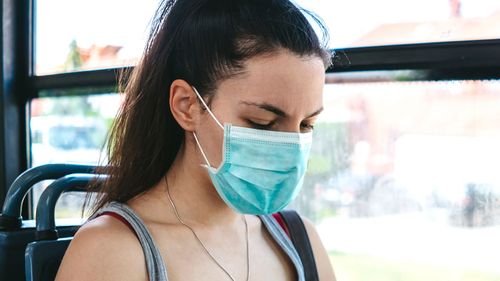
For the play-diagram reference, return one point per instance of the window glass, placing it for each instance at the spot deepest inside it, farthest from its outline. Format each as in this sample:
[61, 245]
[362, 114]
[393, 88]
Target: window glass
[357, 23]
[74, 35]
[70, 130]
[66, 40]
[403, 180]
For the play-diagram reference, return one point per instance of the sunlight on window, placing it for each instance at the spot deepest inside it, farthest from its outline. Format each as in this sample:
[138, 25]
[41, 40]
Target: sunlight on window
[356, 23]
[73, 35]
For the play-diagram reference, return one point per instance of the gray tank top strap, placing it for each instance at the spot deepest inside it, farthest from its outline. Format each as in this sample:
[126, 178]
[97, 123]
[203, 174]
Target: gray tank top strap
[157, 270]
[285, 243]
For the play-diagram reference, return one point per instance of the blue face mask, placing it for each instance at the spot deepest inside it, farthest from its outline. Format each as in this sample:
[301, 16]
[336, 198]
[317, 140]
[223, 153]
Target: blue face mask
[261, 171]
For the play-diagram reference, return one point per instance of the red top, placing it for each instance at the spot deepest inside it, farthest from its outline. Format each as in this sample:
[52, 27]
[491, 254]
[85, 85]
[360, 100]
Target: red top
[281, 222]
[120, 218]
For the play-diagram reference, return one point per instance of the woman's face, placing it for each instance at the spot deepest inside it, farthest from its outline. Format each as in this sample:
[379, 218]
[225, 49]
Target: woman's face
[279, 92]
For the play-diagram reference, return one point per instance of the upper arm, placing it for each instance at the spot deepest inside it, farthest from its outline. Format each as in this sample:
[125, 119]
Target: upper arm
[103, 249]
[325, 269]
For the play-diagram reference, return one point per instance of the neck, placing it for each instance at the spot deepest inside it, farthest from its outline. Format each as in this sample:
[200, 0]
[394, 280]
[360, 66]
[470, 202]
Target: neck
[193, 193]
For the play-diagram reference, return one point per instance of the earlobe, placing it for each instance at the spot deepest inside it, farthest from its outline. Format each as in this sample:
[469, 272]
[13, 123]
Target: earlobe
[183, 104]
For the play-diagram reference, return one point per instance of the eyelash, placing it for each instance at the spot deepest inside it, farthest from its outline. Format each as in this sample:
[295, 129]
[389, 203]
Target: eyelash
[269, 125]
[307, 126]
[260, 126]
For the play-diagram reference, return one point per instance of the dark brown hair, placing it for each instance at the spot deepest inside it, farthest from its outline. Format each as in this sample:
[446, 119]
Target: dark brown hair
[202, 42]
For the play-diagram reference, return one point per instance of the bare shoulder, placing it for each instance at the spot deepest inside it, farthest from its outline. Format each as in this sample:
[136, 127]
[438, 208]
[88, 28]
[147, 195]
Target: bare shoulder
[103, 249]
[321, 257]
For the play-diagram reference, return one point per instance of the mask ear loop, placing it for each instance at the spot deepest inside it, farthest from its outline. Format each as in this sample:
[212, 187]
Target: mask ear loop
[215, 119]
[206, 107]
[201, 150]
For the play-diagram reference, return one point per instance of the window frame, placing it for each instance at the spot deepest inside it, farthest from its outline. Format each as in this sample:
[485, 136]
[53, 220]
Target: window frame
[16, 57]
[479, 59]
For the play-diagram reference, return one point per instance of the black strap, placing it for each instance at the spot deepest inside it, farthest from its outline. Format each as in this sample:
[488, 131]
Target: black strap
[300, 239]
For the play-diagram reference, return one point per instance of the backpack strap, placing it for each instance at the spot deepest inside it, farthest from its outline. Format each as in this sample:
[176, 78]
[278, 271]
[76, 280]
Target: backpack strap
[293, 225]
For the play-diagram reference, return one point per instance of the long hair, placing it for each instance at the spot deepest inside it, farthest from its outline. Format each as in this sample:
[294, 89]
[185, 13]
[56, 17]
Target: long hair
[202, 42]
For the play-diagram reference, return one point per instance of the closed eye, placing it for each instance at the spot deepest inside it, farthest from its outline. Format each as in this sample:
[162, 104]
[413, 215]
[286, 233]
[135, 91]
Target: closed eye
[261, 126]
[306, 126]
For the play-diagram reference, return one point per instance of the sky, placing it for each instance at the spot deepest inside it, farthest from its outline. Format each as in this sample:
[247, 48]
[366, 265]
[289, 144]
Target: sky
[125, 22]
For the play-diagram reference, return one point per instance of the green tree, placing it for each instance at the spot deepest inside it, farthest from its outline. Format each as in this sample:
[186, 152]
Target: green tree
[74, 59]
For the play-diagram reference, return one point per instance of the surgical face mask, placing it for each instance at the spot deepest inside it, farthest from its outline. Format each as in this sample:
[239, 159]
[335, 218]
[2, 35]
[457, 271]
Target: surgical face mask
[261, 171]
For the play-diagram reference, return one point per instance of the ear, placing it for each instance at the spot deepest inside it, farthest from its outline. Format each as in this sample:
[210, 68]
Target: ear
[183, 104]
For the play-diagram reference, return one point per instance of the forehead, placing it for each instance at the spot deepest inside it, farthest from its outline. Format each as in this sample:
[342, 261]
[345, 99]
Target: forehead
[284, 79]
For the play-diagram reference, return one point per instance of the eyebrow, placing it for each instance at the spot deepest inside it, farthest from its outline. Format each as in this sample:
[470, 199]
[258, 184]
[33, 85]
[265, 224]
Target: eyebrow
[315, 112]
[276, 110]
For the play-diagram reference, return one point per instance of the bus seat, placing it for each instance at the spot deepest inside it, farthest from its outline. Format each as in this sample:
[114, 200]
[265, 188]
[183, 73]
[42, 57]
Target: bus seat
[43, 256]
[16, 233]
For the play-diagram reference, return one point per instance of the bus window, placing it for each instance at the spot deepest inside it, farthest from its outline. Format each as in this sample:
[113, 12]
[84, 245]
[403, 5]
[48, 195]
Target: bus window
[82, 44]
[70, 130]
[359, 23]
[403, 182]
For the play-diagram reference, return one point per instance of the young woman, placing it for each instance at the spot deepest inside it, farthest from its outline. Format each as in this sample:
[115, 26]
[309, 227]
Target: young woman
[212, 138]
